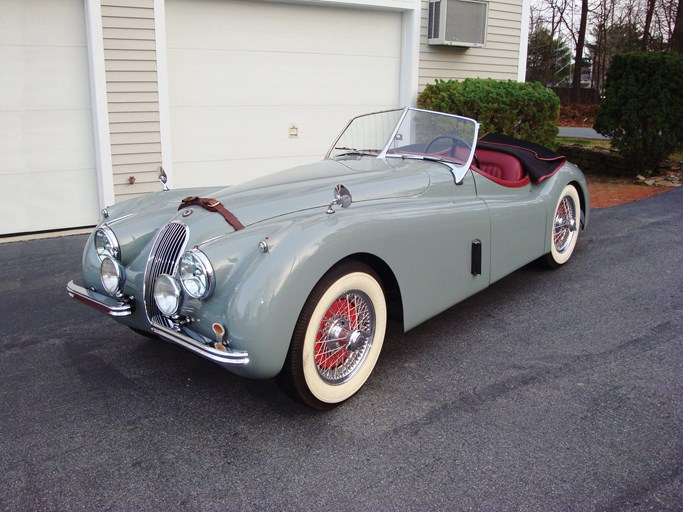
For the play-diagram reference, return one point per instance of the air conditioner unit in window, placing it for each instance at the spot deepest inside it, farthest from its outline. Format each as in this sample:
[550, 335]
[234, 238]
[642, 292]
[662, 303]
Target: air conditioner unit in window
[457, 23]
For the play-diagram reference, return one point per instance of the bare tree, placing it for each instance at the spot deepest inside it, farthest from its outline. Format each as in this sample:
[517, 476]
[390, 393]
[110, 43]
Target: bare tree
[649, 12]
[676, 41]
[613, 30]
[578, 59]
[605, 28]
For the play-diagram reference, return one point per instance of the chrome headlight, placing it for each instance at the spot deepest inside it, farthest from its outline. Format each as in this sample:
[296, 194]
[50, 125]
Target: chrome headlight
[106, 243]
[196, 274]
[167, 294]
[112, 275]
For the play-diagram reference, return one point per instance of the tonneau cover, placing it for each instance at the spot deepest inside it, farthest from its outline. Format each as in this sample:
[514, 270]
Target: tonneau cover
[538, 161]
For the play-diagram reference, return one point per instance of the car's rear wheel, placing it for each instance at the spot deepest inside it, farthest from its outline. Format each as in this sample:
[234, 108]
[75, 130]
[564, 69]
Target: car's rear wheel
[565, 231]
[337, 339]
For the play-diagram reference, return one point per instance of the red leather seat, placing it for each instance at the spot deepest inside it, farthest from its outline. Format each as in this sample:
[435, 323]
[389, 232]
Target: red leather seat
[500, 165]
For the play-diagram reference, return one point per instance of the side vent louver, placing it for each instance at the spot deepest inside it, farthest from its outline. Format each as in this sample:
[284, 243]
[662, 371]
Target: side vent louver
[476, 257]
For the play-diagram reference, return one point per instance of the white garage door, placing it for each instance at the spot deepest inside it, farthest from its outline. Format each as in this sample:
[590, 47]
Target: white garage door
[242, 75]
[47, 171]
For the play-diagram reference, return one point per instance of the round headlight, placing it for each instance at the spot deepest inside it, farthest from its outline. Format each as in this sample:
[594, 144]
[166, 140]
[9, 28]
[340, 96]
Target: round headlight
[167, 294]
[196, 274]
[112, 275]
[106, 243]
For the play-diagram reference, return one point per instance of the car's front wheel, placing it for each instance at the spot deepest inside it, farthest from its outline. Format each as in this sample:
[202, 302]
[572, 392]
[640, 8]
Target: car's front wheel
[338, 337]
[565, 231]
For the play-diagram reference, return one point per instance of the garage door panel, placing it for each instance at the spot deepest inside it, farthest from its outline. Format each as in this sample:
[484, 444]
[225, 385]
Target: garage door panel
[36, 78]
[241, 73]
[37, 22]
[241, 78]
[47, 169]
[231, 172]
[261, 131]
[47, 201]
[228, 153]
[36, 141]
[258, 26]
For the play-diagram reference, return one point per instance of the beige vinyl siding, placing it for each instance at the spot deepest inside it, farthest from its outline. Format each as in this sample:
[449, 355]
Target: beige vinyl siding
[132, 95]
[498, 59]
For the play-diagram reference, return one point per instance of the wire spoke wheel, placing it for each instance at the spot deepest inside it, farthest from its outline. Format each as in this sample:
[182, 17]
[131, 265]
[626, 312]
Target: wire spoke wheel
[565, 224]
[337, 339]
[565, 231]
[344, 337]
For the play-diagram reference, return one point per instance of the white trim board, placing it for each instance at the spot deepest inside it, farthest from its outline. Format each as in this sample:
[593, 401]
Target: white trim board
[98, 97]
[162, 85]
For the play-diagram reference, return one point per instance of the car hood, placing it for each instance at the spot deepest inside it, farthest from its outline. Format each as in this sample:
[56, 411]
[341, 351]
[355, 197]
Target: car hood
[312, 186]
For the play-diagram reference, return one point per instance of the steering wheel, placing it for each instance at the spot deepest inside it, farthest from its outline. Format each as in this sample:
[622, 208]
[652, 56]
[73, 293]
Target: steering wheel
[455, 142]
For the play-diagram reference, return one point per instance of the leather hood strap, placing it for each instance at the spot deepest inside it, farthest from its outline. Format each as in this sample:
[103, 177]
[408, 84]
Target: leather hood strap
[212, 205]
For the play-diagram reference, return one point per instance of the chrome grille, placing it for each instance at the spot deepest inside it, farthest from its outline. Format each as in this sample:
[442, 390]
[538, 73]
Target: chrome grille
[166, 252]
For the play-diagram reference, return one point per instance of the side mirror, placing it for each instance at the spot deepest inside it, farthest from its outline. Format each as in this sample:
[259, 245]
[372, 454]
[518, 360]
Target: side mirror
[163, 178]
[342, 197]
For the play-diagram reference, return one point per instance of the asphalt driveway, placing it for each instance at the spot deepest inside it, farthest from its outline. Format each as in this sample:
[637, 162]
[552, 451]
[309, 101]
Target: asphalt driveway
[549, 391]
[580, 133]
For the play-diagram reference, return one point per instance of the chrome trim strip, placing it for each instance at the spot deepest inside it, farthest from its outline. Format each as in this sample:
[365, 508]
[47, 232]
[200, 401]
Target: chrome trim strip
[119, 219]
[387, 145]
[101, 302]
[226, 357]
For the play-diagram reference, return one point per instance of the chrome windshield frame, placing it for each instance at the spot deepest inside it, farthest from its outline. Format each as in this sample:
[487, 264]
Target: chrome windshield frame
[458, 170]
[346, 126]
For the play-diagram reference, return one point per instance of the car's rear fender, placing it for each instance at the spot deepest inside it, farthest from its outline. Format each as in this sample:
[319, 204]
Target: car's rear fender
[550, 190]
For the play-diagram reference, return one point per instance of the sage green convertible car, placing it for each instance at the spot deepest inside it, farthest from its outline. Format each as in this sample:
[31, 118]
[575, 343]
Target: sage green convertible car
[295, 274]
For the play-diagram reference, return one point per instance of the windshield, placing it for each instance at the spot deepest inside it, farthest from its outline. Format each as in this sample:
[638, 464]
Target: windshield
[366, 135]
[409, 133]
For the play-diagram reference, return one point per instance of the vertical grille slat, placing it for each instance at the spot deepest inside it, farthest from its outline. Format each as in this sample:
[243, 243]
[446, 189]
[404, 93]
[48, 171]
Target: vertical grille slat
[166, 251]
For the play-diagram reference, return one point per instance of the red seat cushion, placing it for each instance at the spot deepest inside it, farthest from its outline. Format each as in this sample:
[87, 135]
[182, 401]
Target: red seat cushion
[500, 165]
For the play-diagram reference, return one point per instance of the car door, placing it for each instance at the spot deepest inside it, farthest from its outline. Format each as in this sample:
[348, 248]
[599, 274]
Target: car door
[432, 252]
[518, 224]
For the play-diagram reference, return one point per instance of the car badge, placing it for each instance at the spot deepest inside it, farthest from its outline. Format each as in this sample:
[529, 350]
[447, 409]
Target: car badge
[187, 213]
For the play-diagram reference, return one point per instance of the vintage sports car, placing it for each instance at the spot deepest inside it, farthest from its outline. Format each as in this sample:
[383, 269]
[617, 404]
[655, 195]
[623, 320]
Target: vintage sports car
[295, 274]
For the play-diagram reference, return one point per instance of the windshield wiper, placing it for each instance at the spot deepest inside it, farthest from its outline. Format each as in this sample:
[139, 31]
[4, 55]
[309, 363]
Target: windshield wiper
[360, 152]
[426, 157]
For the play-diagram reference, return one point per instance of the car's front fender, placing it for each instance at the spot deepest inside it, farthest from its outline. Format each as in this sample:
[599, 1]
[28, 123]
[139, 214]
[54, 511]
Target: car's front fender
[262, 296]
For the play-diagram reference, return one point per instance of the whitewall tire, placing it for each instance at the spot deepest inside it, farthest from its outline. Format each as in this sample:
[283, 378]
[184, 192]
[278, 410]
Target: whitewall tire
[338, 337]
[565, 229]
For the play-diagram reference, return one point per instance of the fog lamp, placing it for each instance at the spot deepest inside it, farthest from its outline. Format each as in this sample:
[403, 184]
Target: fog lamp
[112, 275]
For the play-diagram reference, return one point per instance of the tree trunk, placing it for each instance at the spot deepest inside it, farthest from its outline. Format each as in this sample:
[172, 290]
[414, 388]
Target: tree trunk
[578, 60]
[676, 43]
[648, 22]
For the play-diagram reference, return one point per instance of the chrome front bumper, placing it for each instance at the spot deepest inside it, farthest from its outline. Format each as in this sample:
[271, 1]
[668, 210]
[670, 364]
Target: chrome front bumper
[226, 357]
[101, 302]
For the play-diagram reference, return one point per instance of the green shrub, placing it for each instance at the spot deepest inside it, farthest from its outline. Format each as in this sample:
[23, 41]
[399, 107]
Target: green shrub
[643, 107]
[524, 110]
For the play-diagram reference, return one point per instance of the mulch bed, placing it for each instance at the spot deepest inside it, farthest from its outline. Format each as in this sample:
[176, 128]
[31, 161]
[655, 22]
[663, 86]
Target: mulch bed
[608, 191]
[582, 116]
[605, 192]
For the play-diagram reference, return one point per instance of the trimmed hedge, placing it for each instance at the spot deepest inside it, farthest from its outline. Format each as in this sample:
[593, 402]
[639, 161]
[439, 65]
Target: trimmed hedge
[523, 110]
[643, 107]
